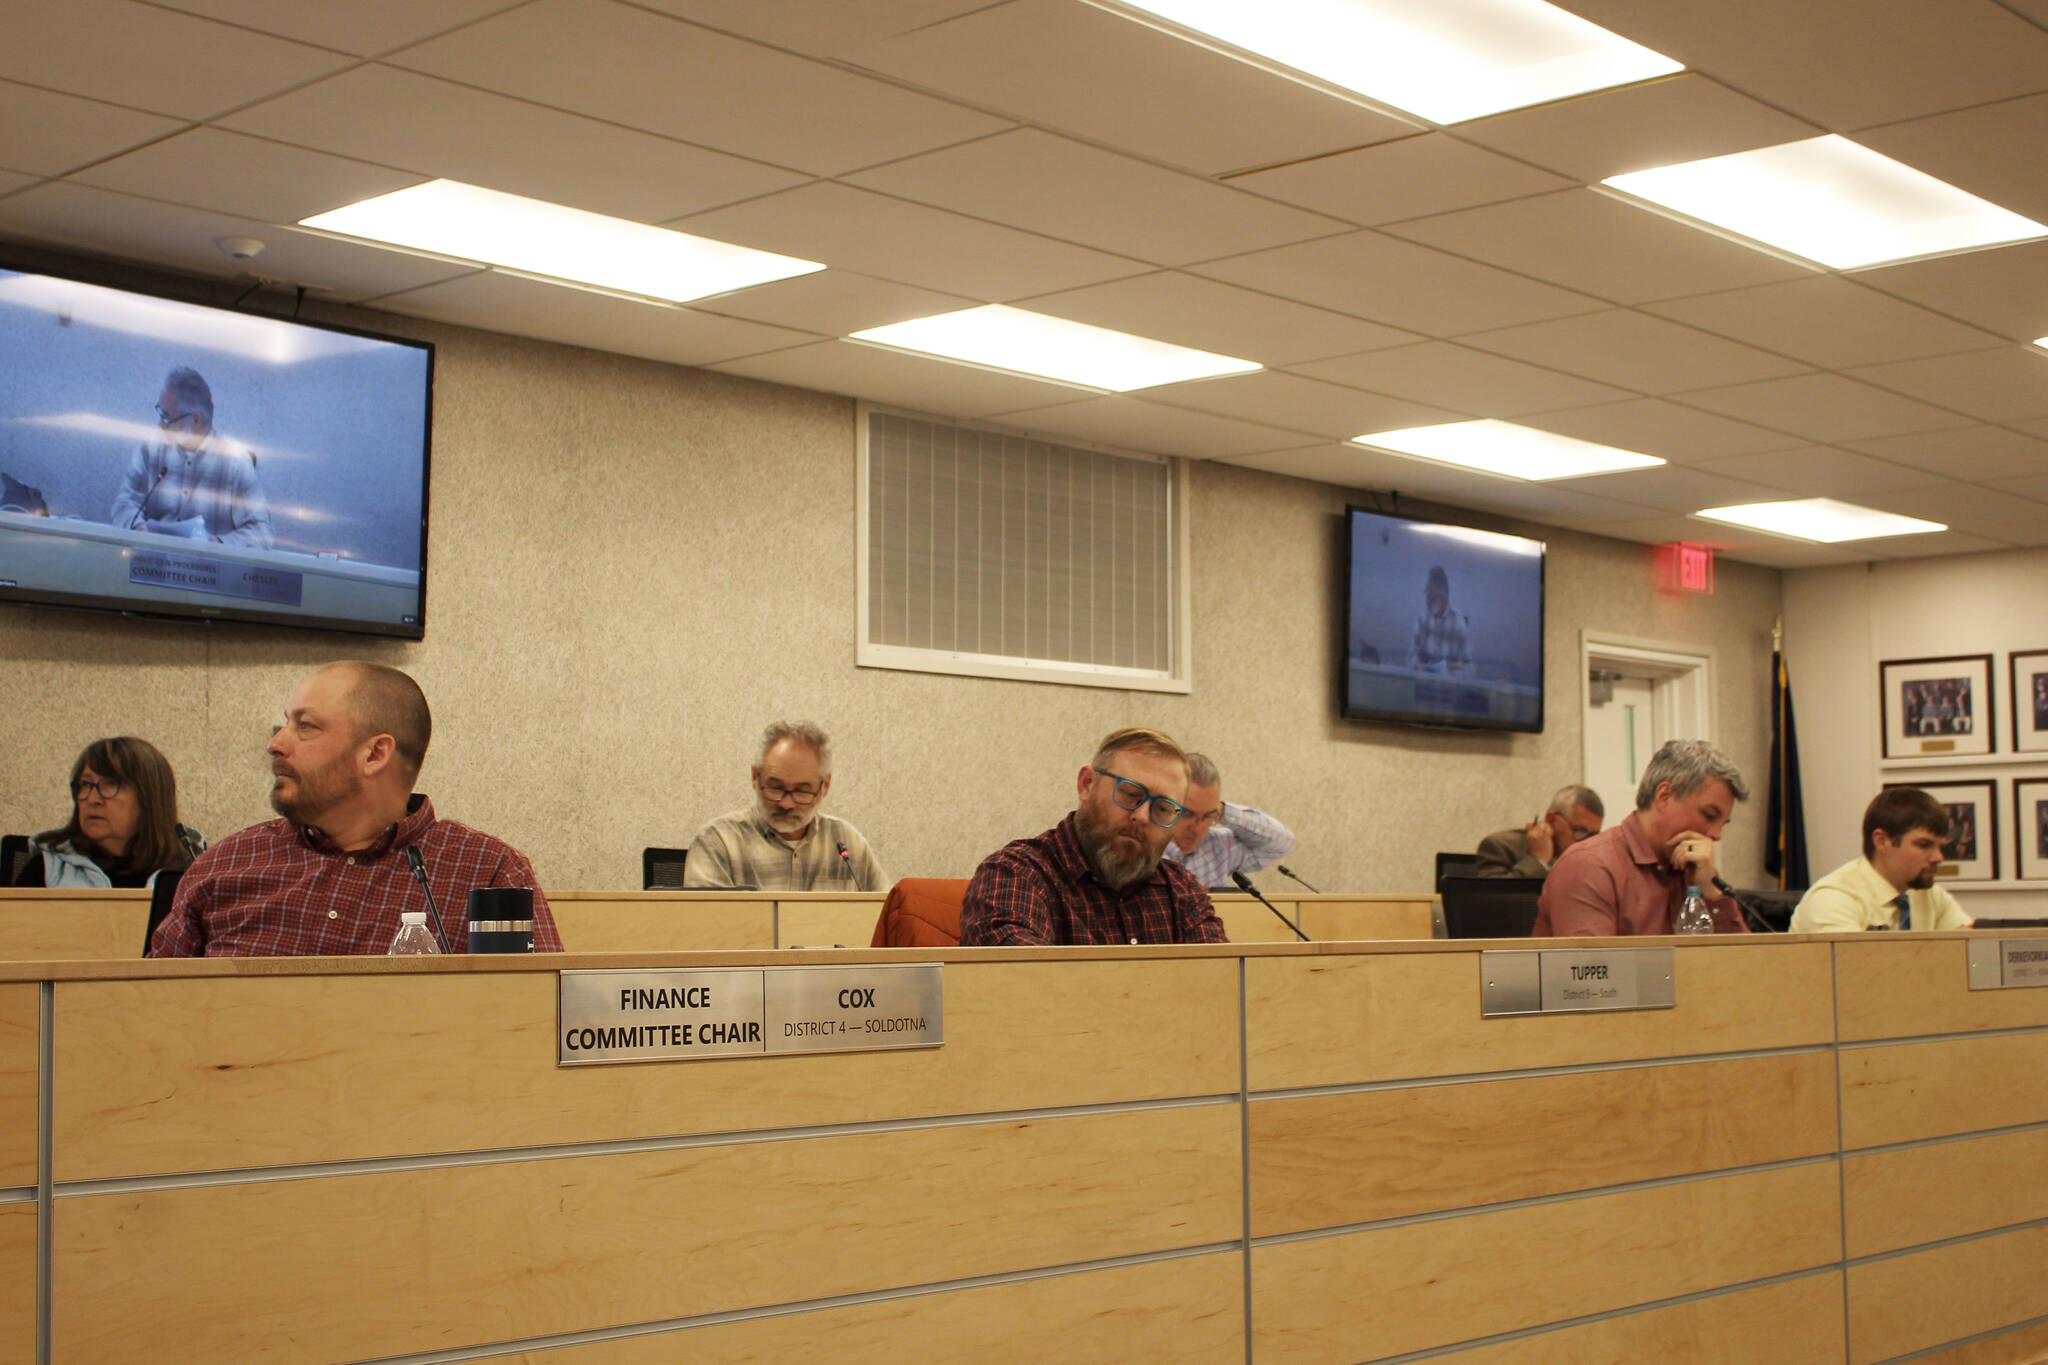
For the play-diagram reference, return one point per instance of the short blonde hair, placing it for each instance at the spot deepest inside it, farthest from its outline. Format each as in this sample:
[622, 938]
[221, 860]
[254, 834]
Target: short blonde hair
[1137, 739]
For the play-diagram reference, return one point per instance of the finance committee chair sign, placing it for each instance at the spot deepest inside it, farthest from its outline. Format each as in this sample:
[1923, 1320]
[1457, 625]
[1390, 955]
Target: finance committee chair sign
[685, 1015]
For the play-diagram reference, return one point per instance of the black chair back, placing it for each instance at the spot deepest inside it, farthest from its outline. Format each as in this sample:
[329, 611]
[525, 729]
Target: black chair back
[162, 892]
[1455, 865]
[14, 855]
[1490, 907]
[661, 869]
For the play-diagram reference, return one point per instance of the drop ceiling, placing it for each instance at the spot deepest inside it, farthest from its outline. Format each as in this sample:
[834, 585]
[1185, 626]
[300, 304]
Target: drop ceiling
[1057, 156]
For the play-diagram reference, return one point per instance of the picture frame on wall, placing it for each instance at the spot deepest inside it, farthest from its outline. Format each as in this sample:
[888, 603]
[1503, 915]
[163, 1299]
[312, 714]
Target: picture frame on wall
[2030, 827]
[2029, 700]
[1970, 853]
[1936, 707]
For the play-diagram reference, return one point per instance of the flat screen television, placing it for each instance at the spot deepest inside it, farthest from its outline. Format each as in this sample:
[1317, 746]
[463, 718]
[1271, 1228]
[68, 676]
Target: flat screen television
[1443, 624]
[176, 459]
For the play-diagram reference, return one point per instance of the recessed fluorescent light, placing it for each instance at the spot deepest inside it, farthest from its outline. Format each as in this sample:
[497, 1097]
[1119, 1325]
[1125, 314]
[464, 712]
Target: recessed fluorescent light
[1822, 519]
[1052, 348]
[1493, 447]
[2042, 342]
[1443, 61]
[448, 218]
[1829, 200]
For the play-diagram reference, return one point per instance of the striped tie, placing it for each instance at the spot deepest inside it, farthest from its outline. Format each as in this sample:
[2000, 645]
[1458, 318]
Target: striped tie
[1905, 911]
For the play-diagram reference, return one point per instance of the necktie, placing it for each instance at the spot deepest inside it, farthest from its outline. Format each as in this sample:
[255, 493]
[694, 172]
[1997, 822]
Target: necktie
[1905, 911]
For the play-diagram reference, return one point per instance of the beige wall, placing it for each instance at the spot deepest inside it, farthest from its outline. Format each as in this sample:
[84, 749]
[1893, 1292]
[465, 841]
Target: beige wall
[633, 566]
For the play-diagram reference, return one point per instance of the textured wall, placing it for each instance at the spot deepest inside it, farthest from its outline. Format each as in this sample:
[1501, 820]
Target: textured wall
[633, 566]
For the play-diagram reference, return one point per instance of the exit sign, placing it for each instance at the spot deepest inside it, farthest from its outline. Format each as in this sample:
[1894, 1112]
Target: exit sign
[1685, 567]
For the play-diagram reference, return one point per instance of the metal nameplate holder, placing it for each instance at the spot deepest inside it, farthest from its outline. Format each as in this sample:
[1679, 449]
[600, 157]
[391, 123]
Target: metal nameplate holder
[693, 1014]
[2007, 963]
[1575, 981]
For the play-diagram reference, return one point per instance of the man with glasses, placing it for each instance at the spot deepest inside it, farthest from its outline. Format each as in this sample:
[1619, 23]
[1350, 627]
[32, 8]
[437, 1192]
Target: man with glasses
[1575, 813]
[1097, 877]
[193, 482]
[1216, 838]
[784, 843]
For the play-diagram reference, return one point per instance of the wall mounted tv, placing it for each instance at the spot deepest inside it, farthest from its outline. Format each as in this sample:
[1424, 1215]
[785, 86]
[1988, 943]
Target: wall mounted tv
[1443, 624]
[175, 459]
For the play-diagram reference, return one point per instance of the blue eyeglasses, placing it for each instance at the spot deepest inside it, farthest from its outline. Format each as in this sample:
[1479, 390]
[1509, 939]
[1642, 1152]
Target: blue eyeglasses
[1164, 811]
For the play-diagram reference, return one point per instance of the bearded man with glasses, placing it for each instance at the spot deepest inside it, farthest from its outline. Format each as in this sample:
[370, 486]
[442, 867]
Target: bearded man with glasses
[783, 842]
[1097, 876]
[193, 482]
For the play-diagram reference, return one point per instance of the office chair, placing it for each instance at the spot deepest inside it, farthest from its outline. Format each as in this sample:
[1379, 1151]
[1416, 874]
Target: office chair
[14, 855]
[1455, 865]
[921, 912]
[162, 892]
[661, 869]
[1490, 907]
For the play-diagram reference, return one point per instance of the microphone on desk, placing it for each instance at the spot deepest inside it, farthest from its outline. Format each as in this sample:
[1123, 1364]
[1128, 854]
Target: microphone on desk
[1244, 884]
[419, 872]
[846, 861]
[161, 474]
[1284, 870]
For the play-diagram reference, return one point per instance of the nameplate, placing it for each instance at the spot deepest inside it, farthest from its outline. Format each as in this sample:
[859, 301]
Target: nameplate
[1575, 981]
[223, 578]
[2005, 963]
[684, 1016]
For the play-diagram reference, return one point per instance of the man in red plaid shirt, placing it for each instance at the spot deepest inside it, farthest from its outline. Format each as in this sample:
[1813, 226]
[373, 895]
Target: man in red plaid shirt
[1096, 877]
[333, 875]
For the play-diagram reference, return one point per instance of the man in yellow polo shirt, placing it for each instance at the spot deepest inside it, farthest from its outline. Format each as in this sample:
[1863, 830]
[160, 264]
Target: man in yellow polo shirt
[1892, 885]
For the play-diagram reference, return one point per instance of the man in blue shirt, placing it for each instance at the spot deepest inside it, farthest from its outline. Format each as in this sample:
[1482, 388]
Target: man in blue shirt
[1216, 838]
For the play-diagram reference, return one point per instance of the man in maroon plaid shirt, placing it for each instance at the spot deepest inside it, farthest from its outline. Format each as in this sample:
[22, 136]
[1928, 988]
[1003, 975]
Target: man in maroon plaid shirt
[333, 875]
[1096, 876]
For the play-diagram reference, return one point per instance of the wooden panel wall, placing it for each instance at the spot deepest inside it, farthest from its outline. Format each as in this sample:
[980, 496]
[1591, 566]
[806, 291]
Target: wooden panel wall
[71, 926]
[664, 926]
[17, 1282]
[20, 1032]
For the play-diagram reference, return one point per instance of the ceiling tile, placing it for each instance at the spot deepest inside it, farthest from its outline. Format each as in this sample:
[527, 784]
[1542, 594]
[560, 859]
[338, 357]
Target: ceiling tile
[1673, 488]
[78, 218]
[1967, 507]
[1054, 185]
[1586, 240]
[834, 302]
[1428, 173]
[1840, 62]
[1972, 150]
[2033, 486]
[49, 134]
[830, 27]
[1210, 316]
[364, 27]
[1639, 127]
[1635, 351]
[1350, 466]
[11, 181]
[1398, 283]
[1936, 545]
[150, 58]
[2004, 385]
[1458, 378]
[906, 381]
[1821, 407]
[437, 129]
[1297, 404]
[1655, 427]
[497, 302]
[245, 176]
[661, 75]
[1067, 65]
[1972, 453]
[876, 235]
[1135, 424]
[1997, 289]
[1820, 472]
[2037, 428]
[1827, 320]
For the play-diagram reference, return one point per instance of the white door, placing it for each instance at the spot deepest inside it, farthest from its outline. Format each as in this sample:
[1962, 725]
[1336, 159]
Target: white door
[1621, 734]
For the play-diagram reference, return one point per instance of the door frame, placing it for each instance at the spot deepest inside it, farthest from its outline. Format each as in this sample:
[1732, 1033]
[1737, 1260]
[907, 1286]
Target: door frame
[1681, 684]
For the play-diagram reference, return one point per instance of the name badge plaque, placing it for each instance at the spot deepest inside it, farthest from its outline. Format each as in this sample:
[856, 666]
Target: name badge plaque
[692, 1014]
[1575, 981]
[2007, 963]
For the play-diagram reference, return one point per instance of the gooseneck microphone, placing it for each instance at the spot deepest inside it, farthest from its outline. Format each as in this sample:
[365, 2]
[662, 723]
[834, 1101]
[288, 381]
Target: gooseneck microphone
[161, 475]
[419, 872]
[1244, 884]
[845, 861]
[1284, 870]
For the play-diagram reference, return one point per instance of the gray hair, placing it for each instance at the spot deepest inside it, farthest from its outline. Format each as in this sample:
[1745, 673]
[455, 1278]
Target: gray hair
[1577, 797]
[191, 390]
[1688, 765]
[1202, 771]
[802, 732]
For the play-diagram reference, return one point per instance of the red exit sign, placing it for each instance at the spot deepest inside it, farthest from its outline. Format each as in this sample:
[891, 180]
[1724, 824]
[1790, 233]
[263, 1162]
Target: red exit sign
[1685, 567]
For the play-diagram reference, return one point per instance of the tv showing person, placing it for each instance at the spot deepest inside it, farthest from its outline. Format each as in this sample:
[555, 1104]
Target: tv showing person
[193, 483]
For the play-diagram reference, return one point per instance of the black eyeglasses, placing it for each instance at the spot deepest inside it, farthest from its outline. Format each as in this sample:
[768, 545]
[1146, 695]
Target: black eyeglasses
[106, 788]
[1164, 811]
[803, 796]
[166, 419]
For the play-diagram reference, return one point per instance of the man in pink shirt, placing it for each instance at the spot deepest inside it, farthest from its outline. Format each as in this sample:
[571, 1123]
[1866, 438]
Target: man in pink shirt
[1631, 877]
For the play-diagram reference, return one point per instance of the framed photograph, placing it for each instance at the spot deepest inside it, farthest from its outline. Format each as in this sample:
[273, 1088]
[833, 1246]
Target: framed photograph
[2030, 701]
[1936, 706]
[1970, 853]
[2030, 826]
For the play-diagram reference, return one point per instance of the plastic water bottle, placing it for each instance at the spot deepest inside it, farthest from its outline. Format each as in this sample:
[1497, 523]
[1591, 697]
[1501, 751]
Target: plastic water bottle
[414, 937]
[1693, 916]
